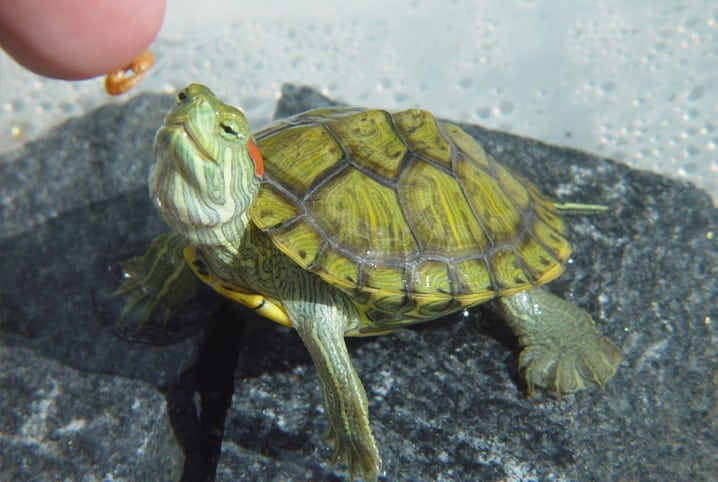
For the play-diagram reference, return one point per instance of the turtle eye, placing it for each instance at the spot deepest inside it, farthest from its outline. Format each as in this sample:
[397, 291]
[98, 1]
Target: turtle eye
[230, 129]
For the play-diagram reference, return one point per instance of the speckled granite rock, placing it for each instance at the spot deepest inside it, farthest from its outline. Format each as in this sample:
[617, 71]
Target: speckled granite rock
[88, 159]
[445, 400]
[59, 424]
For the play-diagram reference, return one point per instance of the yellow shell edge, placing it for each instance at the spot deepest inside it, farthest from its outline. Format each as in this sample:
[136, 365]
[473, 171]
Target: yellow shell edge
[254, 301]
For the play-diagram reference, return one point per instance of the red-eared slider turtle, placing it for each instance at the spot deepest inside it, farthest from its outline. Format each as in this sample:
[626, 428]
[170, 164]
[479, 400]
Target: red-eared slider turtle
[350, 222]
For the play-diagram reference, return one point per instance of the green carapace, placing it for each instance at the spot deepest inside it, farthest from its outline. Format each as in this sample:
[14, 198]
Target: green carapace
[350, 222]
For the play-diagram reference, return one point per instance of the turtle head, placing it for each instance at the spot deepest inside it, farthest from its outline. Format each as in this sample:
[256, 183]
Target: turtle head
[207, 169]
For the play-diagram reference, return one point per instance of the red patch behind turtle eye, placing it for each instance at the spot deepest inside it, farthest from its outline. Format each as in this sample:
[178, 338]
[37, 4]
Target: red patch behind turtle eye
[256, 158]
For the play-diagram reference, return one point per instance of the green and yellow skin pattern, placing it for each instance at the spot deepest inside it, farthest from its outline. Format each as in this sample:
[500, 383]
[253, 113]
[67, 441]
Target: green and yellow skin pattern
[353, 222]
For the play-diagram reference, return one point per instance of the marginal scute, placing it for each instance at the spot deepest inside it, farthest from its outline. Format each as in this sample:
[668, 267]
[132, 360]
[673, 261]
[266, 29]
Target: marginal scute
[473, 277]
[432, 277]
[552, 240]
[535, 258]
[494, 210]
[304, 240]
[547, 214]
[384, 277]
[344, 271]
[271, 208]
[467, 145]
[508, 272]
[513, 186]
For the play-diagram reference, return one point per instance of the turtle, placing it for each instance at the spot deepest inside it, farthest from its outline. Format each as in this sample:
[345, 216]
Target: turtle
[347, 221]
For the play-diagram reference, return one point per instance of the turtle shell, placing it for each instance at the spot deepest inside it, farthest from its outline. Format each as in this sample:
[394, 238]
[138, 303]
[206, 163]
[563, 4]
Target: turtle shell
[405, 213]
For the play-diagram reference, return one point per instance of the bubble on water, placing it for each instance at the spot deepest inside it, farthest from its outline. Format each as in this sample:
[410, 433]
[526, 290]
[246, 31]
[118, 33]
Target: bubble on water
[483, 113]
[506, 107]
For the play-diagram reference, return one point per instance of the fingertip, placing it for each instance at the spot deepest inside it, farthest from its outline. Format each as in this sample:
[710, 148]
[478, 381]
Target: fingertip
[78, 39]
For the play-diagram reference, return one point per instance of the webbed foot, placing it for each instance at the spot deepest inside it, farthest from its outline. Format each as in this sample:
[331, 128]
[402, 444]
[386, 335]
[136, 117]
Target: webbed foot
[159, 283]
[562, 349]
[564, 369]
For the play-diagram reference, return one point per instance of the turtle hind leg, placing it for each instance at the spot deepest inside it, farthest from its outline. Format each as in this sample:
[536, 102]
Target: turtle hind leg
[321, 324]
[158, 284]
[562, 350]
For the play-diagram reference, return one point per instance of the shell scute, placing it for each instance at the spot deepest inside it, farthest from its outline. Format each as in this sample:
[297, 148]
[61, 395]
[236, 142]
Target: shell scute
[343, 270]
[371, 142]
[273, 208]
[439, 212]
[423, 135]
[301, 156]
[495, 211]
[432, 276]
[362, 216]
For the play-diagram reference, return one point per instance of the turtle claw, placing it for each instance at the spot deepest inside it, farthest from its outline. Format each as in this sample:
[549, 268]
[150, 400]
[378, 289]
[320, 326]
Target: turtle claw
[567, 369]
[359, 456]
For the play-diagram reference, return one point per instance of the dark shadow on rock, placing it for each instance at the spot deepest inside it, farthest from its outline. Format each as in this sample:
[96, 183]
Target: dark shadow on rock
[198, 403]
[58, 285]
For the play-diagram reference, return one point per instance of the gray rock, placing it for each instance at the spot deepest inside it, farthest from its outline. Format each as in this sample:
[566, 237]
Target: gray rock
[87, 159]
[445, 399]
[59, 424]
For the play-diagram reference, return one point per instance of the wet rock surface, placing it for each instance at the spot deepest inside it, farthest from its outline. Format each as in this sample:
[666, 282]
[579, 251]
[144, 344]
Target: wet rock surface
[445, 399]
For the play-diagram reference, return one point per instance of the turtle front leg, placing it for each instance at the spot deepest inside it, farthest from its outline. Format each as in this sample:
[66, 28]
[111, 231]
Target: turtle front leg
[159, 283]
[562, 349]
[321, 326]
